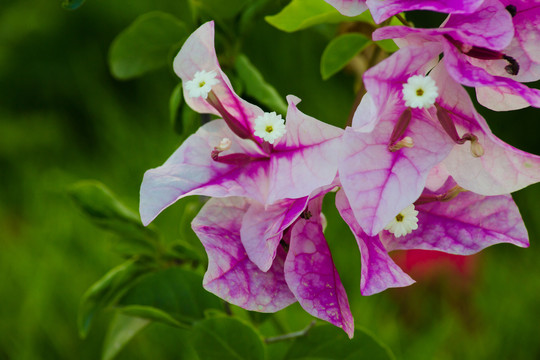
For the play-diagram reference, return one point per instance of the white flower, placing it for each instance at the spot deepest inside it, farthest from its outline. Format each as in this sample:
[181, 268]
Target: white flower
[201, 84]
[270, 127]
[420, 92]
[404, 222]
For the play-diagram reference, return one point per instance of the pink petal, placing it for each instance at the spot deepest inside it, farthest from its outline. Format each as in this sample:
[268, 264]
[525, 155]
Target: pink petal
[469, 75]
[502, 169]
[380, 183]
[306, 158]
[263, 226]
[231, 275]
[311, 274]
[489, 27]
[382, 10]
[379, 271]
[191, 171]
[384, 83]
[198, 54]
[464, 225]
[437, 177]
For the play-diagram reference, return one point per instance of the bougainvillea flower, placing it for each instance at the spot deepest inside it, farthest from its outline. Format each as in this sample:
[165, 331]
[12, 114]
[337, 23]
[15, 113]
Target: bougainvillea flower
[391, 147]
[501, 168]
[385, 166]
[303, 269]
[524, 47]
[471, 43]
[382, 10]
[448, 220]
[227, 157]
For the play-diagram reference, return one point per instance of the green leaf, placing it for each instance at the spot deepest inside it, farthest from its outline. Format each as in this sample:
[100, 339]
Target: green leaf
[257, 87]
[151, 313]
[106, 291]
[107, 212]
[331, 343]
[146, 45]
[188, 122]
[121, 330]
[72, 4]
[387, 45]
[220, 9]
[340, 51]
[175, 101]
[226, 339]
[176, 291]
[183, 251]
[301, 14]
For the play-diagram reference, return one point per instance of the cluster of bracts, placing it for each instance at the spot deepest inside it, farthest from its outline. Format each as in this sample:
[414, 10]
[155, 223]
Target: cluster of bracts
[418, 168]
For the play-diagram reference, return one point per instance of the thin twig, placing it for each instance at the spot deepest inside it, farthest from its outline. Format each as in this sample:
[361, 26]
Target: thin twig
[292, 335]
[402, 19]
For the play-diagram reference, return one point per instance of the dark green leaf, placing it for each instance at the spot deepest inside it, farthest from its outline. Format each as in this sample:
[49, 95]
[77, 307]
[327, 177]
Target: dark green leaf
[107, 212]
[146, 45]
[340, 51]
[175, 116]
[188, 123]
[183, 251]
[176, 291]
[151, 313]
[257, 87]
[106, 291]
[220, 9]
[226, 339]
[72, 4]
[329, 342]
[121, 330]
[301, 14]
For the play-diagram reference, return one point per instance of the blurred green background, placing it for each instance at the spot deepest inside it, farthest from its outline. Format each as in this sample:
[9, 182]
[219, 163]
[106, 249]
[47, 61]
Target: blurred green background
[64, 118]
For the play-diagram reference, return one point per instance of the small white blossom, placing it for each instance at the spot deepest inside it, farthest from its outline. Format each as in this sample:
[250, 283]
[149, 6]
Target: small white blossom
[270, 127]
[420, 92]
[201, 84]
[404, 222]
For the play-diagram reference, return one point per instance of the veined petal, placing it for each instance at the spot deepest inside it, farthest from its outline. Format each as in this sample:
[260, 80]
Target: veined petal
[263, 226]
[198, 54]
[311, 274]
[382, 10]
[305, 158]
[231, 275]
[380, 183]
[527, 25]
[191, 171]
[489, 27]
[469, 75]
[464, 225]
[502, 169]
[384, 82]
[379, 271]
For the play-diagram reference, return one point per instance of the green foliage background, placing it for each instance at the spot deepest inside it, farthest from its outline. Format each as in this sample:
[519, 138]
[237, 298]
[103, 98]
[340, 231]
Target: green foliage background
[63, 118]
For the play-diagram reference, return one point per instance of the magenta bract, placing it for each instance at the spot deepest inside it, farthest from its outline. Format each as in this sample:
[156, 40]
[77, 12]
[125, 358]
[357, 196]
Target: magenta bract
[302, 270]
[302, 160]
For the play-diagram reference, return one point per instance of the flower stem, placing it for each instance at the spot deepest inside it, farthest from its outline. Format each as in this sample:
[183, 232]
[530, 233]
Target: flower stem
[292, 335]
[402, 20]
